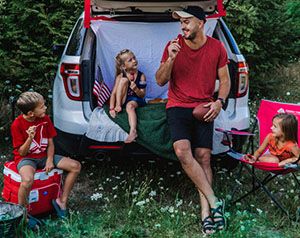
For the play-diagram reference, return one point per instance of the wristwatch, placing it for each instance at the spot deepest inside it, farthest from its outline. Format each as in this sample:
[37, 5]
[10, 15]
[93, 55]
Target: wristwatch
[222, 100]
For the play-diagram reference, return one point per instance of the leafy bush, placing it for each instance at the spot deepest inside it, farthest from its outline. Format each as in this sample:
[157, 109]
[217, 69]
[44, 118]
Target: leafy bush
[268, 35]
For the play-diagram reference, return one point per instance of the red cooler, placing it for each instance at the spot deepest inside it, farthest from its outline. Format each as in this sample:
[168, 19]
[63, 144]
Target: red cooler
[45, 188]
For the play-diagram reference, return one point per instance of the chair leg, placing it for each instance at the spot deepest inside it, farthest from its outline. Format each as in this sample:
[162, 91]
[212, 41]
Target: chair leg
[267, 191]
[235, 187]
[296, 179]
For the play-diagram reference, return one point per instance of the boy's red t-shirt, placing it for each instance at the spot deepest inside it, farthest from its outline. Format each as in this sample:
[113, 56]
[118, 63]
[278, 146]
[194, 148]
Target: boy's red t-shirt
[194, 72]
[38, 148]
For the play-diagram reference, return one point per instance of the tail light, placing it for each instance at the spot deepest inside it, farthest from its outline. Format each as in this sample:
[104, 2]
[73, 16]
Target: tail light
[72, 80]
[243, 79]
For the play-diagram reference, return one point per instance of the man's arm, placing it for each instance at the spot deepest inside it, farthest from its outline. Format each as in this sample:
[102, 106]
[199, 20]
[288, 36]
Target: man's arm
[215, 107]
[163, 74]
[224, 88]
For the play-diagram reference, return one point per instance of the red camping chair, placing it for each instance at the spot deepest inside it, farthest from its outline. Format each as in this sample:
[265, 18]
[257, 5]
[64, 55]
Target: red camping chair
[265, 114]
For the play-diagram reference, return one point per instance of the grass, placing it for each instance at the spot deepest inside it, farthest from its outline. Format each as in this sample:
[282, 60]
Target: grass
[154, 198]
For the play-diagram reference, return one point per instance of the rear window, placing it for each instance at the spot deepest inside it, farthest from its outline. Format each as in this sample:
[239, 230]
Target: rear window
[76, 41]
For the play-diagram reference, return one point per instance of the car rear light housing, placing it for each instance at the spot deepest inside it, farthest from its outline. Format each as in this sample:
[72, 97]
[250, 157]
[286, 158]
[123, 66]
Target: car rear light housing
[72, 80]
[243, 79]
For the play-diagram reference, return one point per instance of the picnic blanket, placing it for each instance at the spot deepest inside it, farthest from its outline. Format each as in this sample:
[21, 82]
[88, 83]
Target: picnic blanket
[152, 128]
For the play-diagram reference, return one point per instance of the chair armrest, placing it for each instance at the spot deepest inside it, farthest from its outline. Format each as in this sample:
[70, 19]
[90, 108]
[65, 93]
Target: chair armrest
[234, 132]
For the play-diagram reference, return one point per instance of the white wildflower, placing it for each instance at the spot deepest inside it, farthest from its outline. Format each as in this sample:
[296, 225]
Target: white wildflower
[152, 193]
[171, 209]
[179, 203]
[259, 211]
[114, 188]
[140, 203]
[135, 193]
[96, 196]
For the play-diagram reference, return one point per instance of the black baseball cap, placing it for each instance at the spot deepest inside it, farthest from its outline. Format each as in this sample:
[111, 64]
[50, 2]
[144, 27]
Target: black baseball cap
[190, 11]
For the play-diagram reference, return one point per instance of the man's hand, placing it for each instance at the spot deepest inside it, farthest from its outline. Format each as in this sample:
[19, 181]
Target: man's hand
[31, 131]
[215, 108]
[49, 165]
[173, 49]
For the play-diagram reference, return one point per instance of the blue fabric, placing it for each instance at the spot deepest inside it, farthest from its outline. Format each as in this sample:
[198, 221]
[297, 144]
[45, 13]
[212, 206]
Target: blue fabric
[140, 101]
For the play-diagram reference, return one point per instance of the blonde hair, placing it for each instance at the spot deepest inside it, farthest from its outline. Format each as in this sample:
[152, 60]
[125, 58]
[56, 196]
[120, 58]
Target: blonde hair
[120, 60]
[28, 101]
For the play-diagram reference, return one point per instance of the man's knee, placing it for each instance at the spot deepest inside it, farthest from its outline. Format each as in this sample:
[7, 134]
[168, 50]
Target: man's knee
[203, 157]
[183, 152]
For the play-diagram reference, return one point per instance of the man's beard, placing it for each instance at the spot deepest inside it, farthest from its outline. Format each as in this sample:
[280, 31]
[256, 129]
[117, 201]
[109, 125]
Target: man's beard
[191, 37]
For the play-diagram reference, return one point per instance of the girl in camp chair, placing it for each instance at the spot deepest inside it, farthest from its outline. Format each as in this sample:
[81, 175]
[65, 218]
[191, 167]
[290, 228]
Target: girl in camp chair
[129, 90]
[281, 142]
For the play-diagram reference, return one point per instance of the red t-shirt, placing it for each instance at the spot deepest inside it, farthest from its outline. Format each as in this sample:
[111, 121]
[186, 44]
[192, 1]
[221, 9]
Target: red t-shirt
[194, 72]
[39, 144]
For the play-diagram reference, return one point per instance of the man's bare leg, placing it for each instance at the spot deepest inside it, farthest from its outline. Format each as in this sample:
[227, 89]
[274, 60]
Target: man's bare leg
[202, 156]
[194, 170]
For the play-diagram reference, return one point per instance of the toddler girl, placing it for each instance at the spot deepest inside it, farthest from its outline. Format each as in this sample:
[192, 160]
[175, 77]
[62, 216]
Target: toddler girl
[282, 142]
[129, 90]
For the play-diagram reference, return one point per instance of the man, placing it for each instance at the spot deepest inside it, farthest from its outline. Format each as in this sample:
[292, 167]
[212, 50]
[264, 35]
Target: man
[191, 63]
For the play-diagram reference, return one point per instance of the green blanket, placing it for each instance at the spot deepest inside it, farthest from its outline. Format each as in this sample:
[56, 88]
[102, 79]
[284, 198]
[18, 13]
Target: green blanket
[152, 128]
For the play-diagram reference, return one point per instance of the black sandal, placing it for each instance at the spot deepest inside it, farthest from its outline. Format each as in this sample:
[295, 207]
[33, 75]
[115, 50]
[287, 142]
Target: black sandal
[218, 215]
[208, 226]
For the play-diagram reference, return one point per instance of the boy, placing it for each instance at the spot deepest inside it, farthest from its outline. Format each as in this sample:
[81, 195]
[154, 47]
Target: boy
[33, 148]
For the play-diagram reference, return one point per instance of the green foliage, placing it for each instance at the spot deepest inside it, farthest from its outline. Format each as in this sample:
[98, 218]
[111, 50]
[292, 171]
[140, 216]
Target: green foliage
[28, 31]
[267, 33]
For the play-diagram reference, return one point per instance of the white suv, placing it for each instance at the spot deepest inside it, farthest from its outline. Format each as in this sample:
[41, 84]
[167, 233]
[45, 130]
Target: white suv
[73, 100]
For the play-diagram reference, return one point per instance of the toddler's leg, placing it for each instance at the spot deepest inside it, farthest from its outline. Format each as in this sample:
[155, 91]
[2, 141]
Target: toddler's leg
[27, 177]
[269, 159]
[121, 94]
[73, 168]
[130, 108]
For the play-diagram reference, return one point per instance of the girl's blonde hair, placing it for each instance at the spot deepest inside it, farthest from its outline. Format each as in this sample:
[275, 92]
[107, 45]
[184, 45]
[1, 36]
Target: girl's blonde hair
[289, 126]
[120, 60]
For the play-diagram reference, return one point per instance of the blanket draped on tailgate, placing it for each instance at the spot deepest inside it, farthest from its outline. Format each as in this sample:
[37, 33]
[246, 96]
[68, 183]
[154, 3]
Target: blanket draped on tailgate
[152, 128]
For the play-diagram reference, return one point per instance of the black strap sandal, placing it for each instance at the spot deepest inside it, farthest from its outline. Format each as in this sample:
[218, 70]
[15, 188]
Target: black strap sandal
[218, 215]
[208, 226]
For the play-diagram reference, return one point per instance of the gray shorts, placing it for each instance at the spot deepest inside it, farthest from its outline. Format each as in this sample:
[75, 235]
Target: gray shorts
[38, 163]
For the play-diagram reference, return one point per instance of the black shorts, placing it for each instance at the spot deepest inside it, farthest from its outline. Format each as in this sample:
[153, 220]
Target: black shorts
[184, 126]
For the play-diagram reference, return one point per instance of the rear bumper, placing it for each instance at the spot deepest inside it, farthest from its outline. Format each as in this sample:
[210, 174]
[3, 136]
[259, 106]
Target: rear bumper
[81, 146]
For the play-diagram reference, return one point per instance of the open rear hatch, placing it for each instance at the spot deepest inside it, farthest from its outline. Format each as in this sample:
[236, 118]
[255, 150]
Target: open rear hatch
[213, 8]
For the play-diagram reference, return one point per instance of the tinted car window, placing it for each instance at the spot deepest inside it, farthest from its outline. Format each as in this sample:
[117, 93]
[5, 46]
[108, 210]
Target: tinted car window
[76, 42]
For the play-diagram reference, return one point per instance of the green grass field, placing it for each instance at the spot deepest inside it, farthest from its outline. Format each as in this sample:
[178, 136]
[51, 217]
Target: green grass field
[154, 198]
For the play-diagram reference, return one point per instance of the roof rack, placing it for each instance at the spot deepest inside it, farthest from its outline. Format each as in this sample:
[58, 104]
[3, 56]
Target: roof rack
[220, 12]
